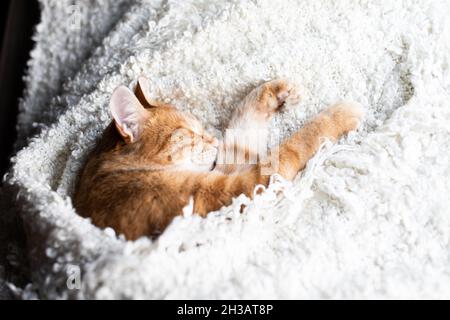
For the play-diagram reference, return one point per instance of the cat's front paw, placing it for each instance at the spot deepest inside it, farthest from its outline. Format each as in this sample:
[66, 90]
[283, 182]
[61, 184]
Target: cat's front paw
[285, 92]
[275, 94]
[290, 95]
[346, 116]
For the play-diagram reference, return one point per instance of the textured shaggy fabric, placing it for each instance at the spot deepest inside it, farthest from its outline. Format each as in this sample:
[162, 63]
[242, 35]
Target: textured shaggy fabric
[67, 35]
[68, 32]
[368, 218]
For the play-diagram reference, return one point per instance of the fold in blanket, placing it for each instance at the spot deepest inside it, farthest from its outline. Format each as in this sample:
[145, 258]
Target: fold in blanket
[65, 37]
[68, 33]
[367, 218]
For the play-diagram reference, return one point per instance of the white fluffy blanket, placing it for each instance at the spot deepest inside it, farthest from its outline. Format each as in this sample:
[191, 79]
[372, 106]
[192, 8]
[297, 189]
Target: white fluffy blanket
[368, 218]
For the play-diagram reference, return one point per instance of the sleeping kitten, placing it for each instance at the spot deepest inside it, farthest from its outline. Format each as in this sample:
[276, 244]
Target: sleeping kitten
[153, 159]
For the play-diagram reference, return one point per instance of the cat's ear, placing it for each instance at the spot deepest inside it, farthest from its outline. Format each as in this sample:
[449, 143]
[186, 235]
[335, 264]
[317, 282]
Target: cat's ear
[141, 92]
[144, 97]
[128, 113]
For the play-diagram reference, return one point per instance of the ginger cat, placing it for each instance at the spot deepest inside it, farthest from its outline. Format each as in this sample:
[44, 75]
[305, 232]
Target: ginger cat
[154, 159]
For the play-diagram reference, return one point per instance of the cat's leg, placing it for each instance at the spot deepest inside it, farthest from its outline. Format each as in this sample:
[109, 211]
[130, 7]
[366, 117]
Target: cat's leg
[293, 154]
[216, 190]
[263, 102]
[246, 136]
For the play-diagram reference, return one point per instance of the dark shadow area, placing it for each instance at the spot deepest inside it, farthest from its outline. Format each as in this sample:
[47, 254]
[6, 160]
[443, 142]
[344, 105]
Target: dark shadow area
[17, 22]
[18, 19]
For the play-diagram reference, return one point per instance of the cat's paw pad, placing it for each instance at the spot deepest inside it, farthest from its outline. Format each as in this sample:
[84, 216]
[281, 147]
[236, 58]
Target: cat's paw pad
[291, 96]
[285, 92]
[348, 116]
